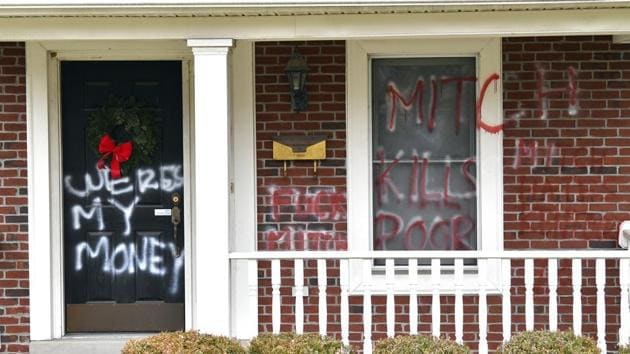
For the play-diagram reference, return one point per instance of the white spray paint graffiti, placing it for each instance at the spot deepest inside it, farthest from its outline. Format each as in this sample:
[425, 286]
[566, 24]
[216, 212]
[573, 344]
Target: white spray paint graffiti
[125, 186]
[97, 210]
[146, 180]
[125, 257]
[127, 212]
[90, 186]
[171, 178]
[101, 247]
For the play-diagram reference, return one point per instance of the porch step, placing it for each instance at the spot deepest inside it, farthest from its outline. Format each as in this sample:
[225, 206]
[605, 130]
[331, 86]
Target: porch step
[80, 344]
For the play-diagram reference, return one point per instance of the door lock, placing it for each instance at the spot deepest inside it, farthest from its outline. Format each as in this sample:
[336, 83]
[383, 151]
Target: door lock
[176, 218]
[175, 199]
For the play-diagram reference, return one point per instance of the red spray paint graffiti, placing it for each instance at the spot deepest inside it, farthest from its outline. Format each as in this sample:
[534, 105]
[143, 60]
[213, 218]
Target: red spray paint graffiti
[414, 232]
[322, 205]
[417, 95]
[297, 239]
[468, 176]
[493, 129]
[384, 182]
[530, 151]
[449, 233]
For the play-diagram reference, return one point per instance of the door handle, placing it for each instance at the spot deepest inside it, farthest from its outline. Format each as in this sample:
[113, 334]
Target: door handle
[176, 218]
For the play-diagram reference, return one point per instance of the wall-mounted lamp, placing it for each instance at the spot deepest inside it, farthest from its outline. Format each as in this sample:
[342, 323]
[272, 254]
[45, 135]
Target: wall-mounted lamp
[300, 147]
[297, 70]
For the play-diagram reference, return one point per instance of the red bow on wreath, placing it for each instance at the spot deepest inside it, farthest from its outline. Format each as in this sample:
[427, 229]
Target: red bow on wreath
[119, 154]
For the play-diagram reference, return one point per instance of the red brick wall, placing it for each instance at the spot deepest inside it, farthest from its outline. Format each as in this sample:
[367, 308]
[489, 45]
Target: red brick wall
[14, 300]
[566, 157]
[577, 190]
[301, 211]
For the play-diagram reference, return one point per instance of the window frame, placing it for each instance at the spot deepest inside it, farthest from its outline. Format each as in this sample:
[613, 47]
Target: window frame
[359, 152]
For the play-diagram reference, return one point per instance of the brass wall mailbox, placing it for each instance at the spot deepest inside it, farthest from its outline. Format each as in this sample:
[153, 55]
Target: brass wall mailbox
[300, 147]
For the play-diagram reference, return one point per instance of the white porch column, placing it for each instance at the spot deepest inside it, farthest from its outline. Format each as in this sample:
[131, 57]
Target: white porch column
[210, 179]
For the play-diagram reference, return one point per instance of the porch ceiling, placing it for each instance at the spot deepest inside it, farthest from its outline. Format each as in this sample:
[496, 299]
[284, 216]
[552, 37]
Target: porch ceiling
[239, 8]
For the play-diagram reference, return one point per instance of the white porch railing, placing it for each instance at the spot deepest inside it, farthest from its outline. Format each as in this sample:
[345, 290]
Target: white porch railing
[416, 284]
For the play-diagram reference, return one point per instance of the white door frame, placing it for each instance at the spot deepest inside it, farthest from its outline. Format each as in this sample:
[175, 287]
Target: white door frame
[45, 166]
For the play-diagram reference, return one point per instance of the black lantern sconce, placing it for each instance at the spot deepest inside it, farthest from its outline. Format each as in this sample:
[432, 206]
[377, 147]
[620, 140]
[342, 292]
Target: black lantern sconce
[297, 70]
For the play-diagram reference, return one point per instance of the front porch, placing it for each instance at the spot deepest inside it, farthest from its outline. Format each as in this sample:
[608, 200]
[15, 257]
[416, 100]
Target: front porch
[269, 252]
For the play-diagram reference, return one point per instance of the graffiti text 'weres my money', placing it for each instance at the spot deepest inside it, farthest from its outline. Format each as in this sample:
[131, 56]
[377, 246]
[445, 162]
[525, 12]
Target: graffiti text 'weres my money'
[147, 254]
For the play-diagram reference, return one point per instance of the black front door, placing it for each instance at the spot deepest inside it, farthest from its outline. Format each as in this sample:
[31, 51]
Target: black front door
[123, 258]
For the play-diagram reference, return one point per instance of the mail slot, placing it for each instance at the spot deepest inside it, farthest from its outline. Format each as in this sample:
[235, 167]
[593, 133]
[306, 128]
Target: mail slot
[300, 147]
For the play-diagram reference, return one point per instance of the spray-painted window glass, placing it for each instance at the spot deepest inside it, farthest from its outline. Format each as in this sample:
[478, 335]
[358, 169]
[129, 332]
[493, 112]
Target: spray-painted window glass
[423, 153]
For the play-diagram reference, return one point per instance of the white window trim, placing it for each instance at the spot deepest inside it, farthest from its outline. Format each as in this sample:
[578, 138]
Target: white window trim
[359, 160]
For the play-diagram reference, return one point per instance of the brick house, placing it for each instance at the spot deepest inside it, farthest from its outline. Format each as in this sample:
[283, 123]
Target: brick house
[475, 181]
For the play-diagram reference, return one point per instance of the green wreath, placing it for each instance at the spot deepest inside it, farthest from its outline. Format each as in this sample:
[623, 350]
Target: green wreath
[124, 120]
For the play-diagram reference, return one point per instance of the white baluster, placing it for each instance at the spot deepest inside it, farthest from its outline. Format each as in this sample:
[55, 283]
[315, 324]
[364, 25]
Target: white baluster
[323, 307]
[459, 301]
[624, 310]
[367, 306]
[529, 294]
[600, 282]
[252, 289]
[553, 293]
[299, 295]
[413, 296]
[483, 307]
[435, 303]
[390, 306]
[275, 296]
[506, 284]
[345, 308]
[576, 275]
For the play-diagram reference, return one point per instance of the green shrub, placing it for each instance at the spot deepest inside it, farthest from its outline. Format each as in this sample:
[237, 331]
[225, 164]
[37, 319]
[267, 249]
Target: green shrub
[419, 345]
[624, 349]
[545, 342]
[183, 343]
[291, 343]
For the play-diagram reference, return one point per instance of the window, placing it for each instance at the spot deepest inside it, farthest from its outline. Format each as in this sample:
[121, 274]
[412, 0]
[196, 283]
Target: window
[423, 153]
[424, 150]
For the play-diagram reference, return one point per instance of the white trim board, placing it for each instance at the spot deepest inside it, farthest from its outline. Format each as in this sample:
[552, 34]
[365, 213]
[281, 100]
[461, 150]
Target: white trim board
[45, 8]
[243, 215]
[87, 4]
[363, 26]
[39, 194]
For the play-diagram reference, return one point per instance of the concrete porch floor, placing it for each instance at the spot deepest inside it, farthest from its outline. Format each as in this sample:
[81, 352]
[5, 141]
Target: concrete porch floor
[84, 343]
